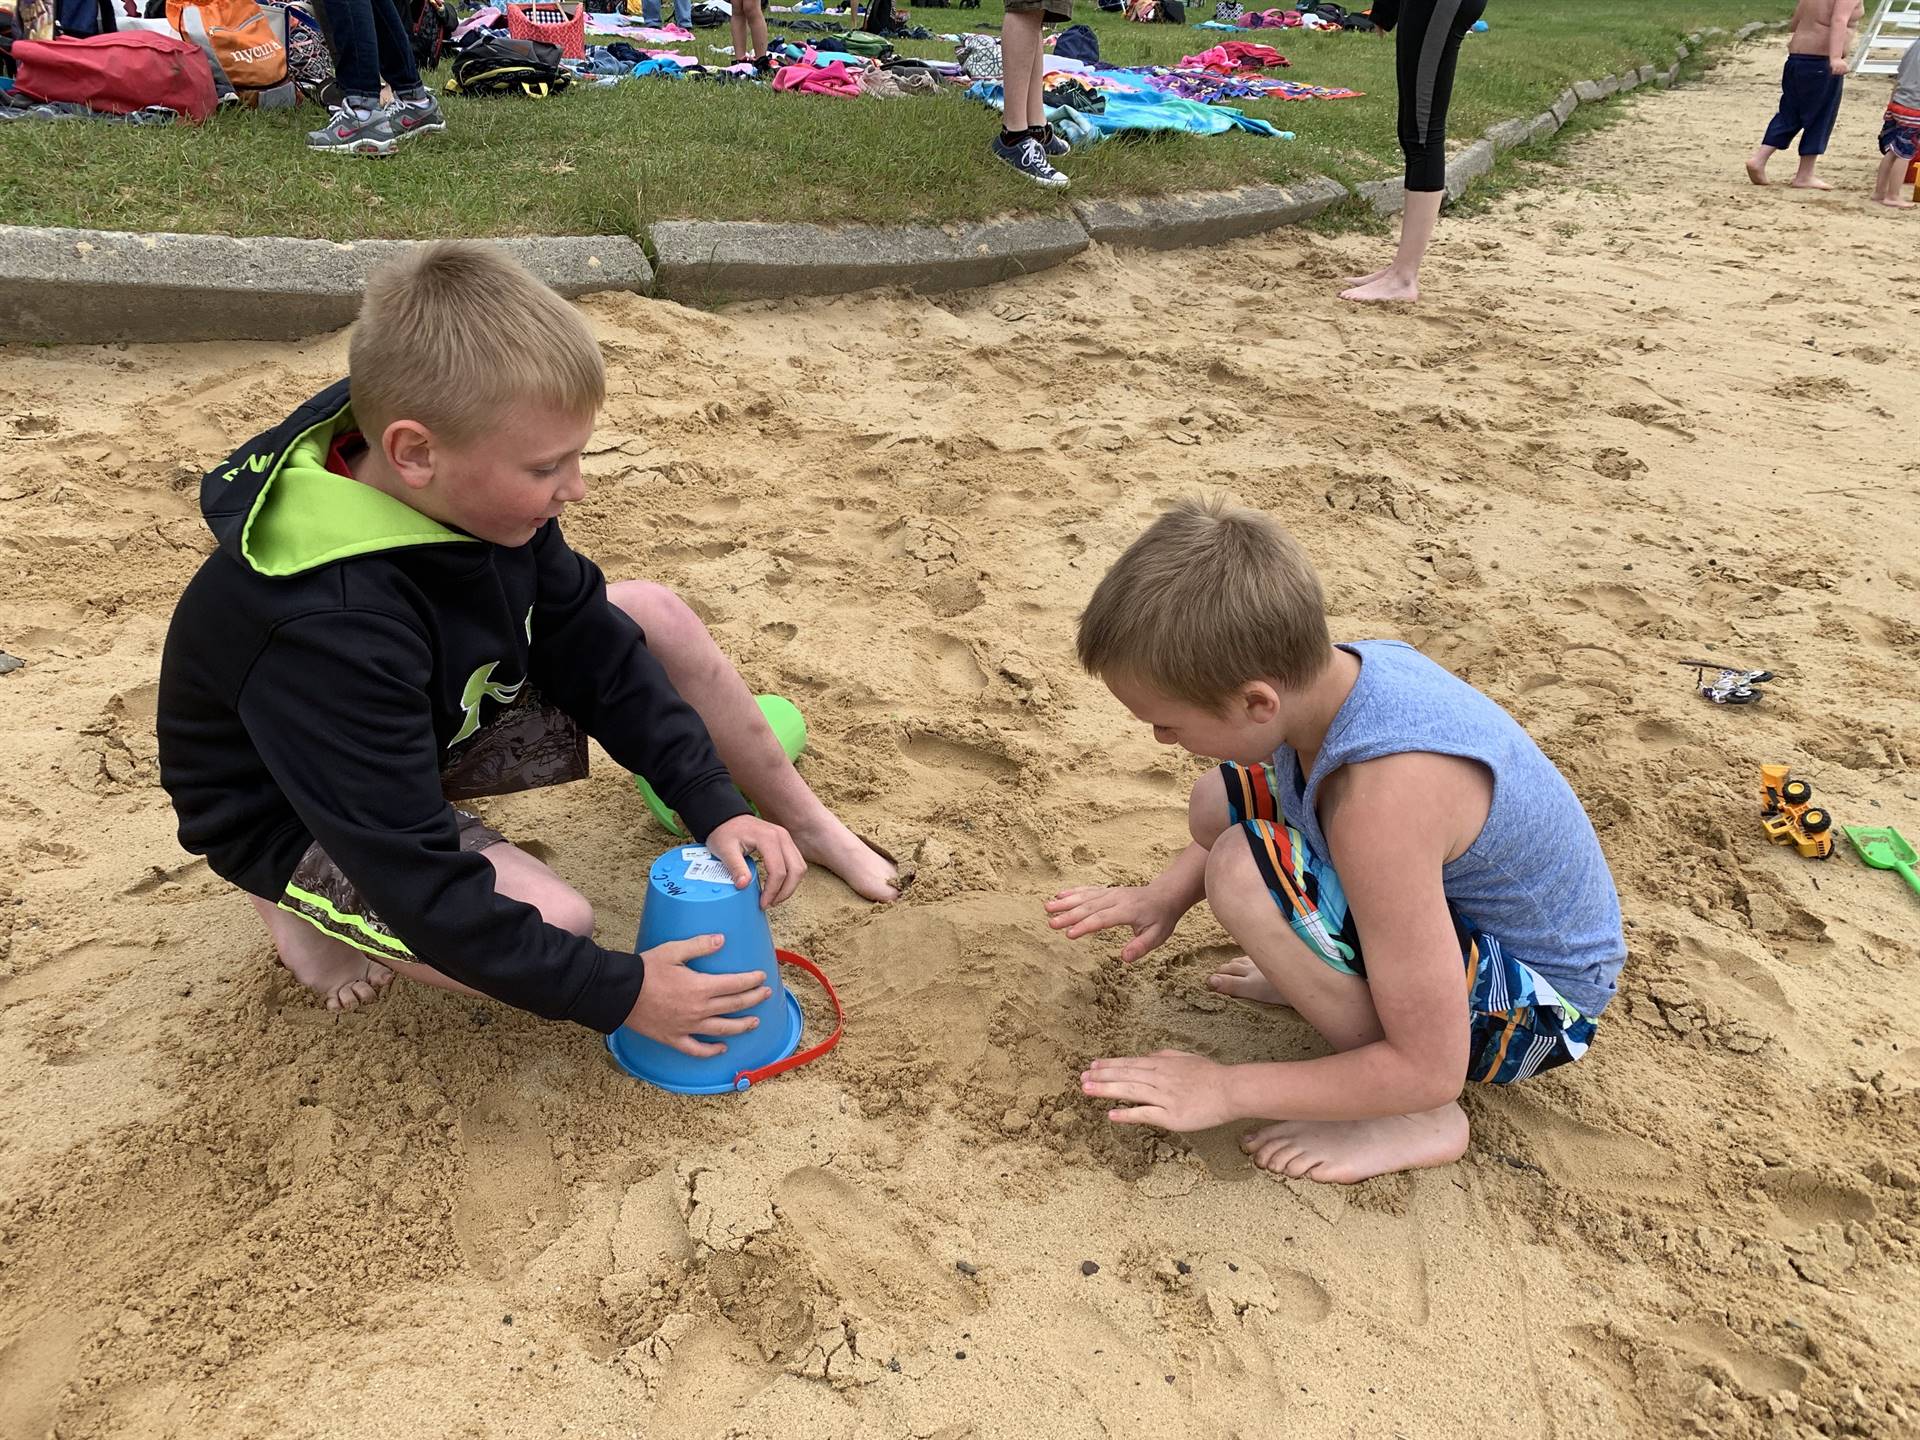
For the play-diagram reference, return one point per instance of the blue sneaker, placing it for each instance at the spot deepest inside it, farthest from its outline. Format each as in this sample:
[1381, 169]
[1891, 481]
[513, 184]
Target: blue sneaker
[1028, 156]
[1054, 143]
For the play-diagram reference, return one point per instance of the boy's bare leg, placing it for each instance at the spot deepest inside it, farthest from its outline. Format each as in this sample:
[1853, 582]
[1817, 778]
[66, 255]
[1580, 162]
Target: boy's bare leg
[1340, 1007]
[1805, 179]
[346, 978]
[1757, 164]
[746, 743]
[1886, 182]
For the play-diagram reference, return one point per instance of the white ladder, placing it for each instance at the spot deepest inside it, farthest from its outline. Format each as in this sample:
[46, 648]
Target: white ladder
[1896, 25]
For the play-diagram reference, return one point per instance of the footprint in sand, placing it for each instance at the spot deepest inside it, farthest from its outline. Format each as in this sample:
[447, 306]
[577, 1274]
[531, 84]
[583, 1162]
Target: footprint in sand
[1588, 1158]
[950, 757]
[1806, 1201]
[511, 1203]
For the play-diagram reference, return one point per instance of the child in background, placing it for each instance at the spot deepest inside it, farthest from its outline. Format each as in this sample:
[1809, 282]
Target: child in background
[371, 44]
[1403, 865]
[749, 23]
[1811, 85]
[1026, 141]
[1900, 133]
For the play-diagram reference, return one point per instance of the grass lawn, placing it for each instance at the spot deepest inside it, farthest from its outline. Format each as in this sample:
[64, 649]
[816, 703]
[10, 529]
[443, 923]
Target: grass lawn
[612, 160]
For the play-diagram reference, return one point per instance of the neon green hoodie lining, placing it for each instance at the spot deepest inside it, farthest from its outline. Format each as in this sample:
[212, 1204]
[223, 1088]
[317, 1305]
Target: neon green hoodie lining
[306, 516]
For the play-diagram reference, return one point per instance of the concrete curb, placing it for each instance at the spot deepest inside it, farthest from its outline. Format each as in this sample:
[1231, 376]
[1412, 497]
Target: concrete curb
[710, 261]
[91, 287]
[1170, 222]
[99, 286]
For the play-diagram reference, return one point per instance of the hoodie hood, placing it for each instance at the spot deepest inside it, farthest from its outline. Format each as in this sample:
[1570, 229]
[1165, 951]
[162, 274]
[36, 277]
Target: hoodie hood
[275, 507]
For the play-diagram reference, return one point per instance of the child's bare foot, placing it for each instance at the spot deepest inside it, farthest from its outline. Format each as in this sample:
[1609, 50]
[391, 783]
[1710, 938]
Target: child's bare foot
[1895, 203]
[1757, 171]
[829, 843]
[1388, 287]
[342, 977]
[1241, 978]
[1357, 280]
[1812, 183]
[1343, 1152]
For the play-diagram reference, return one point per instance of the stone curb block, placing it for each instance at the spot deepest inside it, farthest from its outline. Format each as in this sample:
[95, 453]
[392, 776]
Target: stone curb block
[1628, 81]
[708, 261]
[1749, 30]
[1590, 92]
[1387, 197]
[89, 287]
[1647, 73]
[1509, 133]
[1167, 222]
[1468, 166]
[1544, 126]
[1565, 105]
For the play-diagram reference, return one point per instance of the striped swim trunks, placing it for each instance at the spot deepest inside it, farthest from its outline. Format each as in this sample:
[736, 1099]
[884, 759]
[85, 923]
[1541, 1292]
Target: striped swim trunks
[1521, 1025]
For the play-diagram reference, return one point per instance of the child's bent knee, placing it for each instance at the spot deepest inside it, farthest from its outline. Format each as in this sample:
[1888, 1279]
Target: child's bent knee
[1232, 875]
[568, 910]
[1207, 815]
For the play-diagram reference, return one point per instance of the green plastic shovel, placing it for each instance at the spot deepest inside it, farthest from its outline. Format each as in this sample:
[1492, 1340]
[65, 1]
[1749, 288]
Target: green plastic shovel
[788, 727]
[1885, 848]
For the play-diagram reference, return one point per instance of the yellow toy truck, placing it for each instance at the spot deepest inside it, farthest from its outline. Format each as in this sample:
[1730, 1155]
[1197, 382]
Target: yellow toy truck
[1789, 816]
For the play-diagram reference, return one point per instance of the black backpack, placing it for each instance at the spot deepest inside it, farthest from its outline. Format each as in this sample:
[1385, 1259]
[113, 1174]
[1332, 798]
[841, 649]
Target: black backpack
[432, 25]
[488, 63]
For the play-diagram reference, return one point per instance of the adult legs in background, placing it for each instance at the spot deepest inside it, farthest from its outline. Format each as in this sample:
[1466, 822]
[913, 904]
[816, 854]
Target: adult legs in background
[1426, 54]
[1022, 79]
[749, 23]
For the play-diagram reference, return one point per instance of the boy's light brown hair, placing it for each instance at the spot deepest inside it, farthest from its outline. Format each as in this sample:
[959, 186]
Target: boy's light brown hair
[1211, 597]
[453, 333]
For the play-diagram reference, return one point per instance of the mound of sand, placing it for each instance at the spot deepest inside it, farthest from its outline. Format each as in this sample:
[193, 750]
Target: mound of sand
[1649, 411]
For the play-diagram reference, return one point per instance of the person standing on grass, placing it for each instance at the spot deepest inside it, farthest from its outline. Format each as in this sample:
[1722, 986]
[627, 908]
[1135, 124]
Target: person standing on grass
[1026, 141]
[371, 45]
[682, 13]
[1425, 53]
[749, 24]
[1817, 44]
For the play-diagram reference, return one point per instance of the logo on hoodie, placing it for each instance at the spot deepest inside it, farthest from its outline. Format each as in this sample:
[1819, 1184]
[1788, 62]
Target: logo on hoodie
[480, 687]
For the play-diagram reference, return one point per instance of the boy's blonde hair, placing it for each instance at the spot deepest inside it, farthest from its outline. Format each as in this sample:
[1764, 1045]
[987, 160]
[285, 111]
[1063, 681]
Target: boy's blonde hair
[1211, 597]
[453, 333]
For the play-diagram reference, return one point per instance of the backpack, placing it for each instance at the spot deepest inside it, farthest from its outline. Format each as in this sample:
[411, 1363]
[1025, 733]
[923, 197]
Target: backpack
[117, 74]
[487, 63]
[432, 28]
[242, 39]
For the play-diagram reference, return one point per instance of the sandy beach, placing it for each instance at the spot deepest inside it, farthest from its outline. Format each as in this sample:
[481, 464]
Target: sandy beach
[1647, 411]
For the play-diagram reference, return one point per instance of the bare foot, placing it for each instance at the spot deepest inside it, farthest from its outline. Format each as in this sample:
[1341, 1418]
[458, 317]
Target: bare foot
[1895, 204]
[829, 843]
[341, 976]
[1342, 1152]
[1815, 184]
[1389, 287]
[1757, 172]
[1242, 979]
[1366, 279]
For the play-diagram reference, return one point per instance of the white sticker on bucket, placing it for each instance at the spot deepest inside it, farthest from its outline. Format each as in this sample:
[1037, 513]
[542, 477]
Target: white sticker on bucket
[701, 865]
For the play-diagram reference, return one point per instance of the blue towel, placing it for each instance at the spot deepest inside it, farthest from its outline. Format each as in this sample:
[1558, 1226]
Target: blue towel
[1126, 112]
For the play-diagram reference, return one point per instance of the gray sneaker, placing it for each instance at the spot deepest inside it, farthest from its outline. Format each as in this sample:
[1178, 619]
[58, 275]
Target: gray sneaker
[416, 117]
[354, 131]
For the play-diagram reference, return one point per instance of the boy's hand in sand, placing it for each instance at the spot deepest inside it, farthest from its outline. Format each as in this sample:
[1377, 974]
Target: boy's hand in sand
[676, 1003]
[1087, 908]
[732, 842]
[1169, 1088]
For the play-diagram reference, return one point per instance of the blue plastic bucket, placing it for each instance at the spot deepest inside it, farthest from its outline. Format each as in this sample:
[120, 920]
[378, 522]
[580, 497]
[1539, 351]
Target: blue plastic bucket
[689, 894]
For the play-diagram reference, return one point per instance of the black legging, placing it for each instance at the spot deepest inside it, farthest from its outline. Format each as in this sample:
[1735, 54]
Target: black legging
[1425, 51]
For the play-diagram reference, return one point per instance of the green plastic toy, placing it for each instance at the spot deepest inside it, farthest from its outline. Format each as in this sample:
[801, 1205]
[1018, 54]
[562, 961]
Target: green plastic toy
[1885, 848]
[789, 728]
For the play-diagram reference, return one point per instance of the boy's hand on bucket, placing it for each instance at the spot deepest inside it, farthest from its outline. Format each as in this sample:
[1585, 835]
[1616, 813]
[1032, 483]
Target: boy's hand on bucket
[732, 842]
[676, 1003]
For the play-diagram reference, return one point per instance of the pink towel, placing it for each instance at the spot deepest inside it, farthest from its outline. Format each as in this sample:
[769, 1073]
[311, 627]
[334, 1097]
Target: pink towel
[827, 80]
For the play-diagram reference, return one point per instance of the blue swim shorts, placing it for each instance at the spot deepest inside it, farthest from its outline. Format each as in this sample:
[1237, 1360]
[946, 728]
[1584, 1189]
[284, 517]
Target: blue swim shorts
[1521, 1025]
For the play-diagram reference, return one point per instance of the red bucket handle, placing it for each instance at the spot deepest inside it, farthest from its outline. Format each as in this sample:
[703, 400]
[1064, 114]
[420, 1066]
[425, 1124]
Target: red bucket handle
[794, 1061]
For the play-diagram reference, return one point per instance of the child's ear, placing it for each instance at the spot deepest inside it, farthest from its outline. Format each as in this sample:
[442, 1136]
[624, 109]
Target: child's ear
[1261, 700]
[409, 450]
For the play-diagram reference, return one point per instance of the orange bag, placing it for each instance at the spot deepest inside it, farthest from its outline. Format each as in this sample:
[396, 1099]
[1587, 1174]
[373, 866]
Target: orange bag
[244, 41]
[553, 23]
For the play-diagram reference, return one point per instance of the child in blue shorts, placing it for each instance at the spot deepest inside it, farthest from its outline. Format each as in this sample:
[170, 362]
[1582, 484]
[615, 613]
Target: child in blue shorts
[1403, 865]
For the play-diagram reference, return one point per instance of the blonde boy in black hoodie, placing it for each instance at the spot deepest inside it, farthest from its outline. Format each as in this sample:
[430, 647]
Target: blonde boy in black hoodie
[393, 623]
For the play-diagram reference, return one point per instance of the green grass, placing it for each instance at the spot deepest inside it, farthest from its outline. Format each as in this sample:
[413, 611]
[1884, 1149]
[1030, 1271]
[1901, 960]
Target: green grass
[612, 160]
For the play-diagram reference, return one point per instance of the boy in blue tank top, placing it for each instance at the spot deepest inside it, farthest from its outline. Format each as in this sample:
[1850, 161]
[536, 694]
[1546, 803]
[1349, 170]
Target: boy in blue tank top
[1403, 865]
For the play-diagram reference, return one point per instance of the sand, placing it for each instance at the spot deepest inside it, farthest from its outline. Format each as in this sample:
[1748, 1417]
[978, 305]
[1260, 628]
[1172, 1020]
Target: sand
[1648, 411]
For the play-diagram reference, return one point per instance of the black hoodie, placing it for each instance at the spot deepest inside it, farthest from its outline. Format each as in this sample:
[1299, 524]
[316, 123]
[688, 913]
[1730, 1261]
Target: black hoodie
[333, 648]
